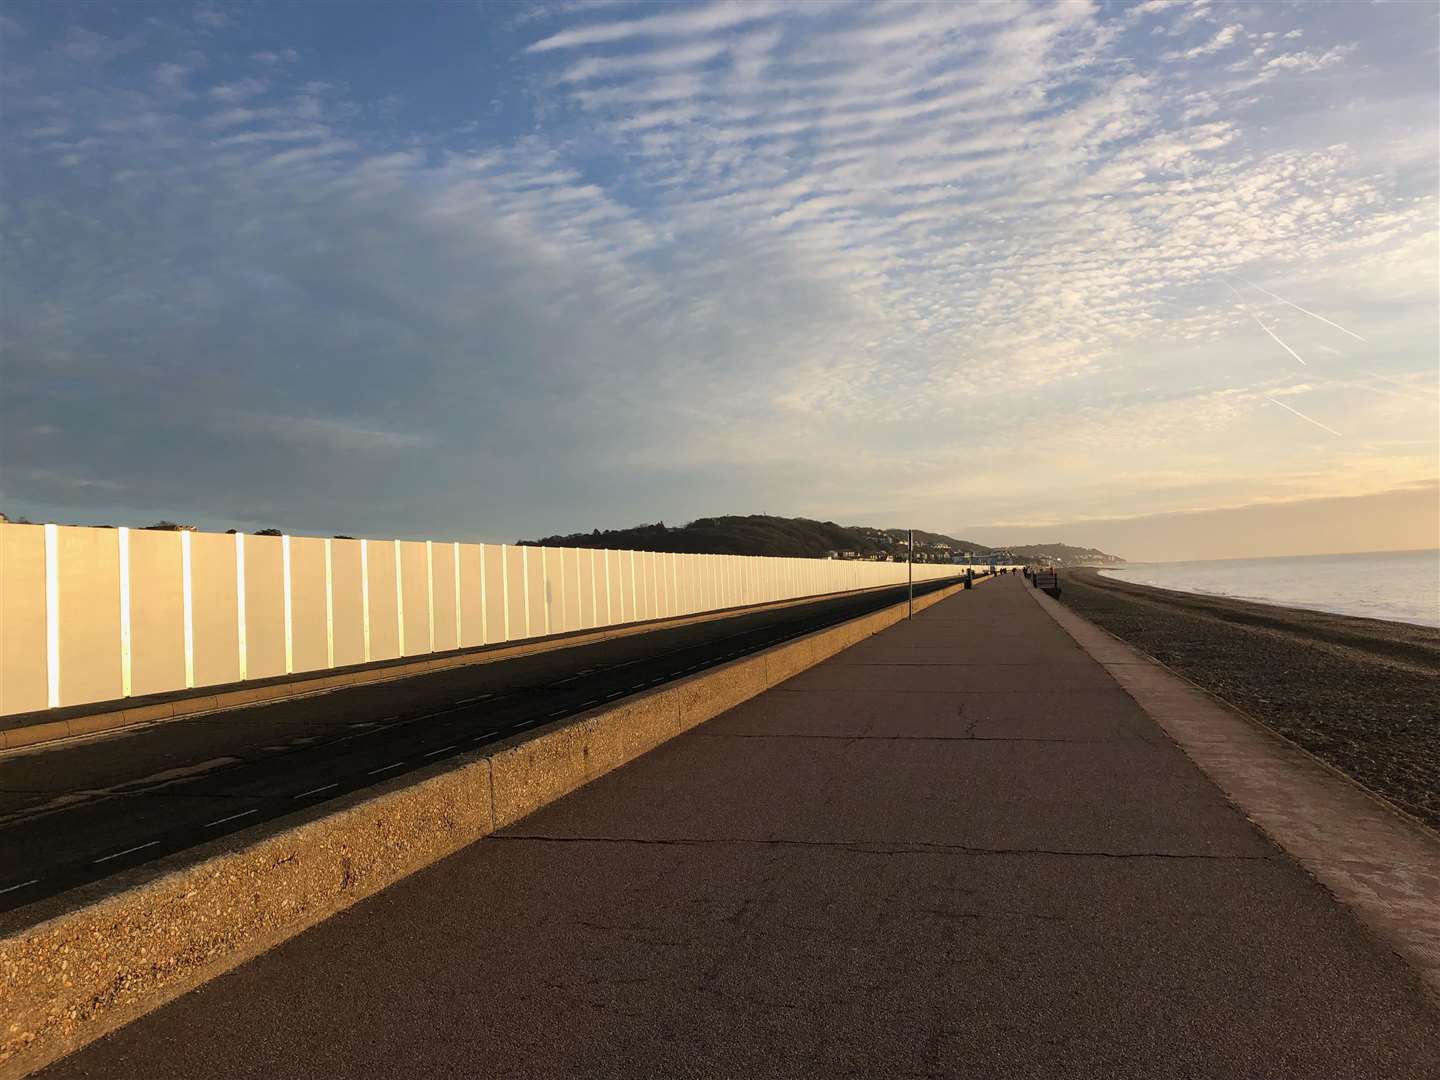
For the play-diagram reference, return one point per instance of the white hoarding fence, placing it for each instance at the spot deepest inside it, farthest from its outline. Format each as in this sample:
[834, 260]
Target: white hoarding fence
[89, 614]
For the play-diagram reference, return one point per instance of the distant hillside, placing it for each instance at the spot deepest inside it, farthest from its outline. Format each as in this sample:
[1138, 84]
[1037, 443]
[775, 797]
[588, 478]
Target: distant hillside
[925, 539]
[762, 534]
[755, 534]
[1065, 555]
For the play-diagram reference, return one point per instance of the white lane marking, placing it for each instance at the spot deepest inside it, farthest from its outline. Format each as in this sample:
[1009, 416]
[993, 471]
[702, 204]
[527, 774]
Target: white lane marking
[527, 723]
[127, 851]
[386, 768]
[12, 888]
[232, 817]
[432, 753]
[478, 697]
[317, 790]
[559, 712]
[587, 704]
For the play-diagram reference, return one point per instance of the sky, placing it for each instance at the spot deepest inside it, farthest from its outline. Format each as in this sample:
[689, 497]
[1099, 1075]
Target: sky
[489, 271]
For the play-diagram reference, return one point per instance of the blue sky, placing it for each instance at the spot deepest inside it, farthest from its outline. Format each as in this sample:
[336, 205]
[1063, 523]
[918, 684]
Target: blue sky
[488, 271]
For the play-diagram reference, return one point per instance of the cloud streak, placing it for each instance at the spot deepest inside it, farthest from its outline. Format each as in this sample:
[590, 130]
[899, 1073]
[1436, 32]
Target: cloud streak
[1302, 416]
[637, 262]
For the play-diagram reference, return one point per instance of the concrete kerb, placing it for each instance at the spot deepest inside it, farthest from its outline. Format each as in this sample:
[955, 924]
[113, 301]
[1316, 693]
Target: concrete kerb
[33, 729]
[137, 940]
[84, 963]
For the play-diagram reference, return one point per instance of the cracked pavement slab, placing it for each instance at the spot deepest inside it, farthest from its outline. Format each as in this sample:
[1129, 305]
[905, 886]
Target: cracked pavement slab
[879, 869]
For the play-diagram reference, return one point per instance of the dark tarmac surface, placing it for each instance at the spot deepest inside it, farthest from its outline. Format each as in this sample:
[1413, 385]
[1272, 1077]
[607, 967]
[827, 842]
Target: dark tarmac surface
[956, 849]
[1361, 694]
[77, 811]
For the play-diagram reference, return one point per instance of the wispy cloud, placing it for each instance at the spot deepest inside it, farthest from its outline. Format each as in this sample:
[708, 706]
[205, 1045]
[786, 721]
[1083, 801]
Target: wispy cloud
[700, 19]
[604, 263]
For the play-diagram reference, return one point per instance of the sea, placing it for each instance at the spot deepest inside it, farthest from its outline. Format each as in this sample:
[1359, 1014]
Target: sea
[1398, 586]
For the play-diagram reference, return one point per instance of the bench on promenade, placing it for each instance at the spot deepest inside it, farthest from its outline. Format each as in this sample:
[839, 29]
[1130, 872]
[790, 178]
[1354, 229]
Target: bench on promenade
[1048, 580]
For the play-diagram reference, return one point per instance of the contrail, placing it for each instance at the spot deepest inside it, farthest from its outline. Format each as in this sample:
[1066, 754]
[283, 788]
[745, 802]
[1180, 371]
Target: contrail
[1297, 307]
[1262, 326]
[1302, 416]
[1282, 344]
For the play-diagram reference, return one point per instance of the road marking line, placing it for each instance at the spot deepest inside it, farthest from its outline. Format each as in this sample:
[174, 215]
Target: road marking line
[12, 888]
[468, 700]
[587, 704]
[432, 753]
[317, 790]
[559, 712]
[127, 851]
[232, 817]
[386, 768]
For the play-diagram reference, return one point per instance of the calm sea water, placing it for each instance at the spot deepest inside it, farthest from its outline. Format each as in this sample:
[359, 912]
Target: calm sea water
[1400, 586]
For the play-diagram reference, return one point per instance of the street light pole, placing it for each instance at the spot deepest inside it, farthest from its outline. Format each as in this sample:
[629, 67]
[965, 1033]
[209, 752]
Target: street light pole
[910, 569]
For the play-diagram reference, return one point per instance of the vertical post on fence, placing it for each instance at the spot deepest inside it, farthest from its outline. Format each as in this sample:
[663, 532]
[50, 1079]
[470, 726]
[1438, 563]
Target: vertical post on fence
[399, 598]
[505, 588]
[187, 599]
[52, 616]
[122, 536]
[525, 585]
[455, 565]
[484, 601]
[240, 645]
[430, 591]
[910, 571]
[286, 595]
[365, 595]
[329, 602]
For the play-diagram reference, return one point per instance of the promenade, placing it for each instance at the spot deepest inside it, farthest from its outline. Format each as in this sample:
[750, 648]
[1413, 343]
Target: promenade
[956, 849]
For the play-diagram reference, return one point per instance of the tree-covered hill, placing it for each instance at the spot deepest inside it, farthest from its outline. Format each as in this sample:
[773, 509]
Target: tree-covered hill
[754, 534]
[1064, 555]
[763, 534]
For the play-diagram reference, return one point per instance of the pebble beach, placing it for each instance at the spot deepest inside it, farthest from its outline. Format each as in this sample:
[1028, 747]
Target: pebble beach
[1363, 695]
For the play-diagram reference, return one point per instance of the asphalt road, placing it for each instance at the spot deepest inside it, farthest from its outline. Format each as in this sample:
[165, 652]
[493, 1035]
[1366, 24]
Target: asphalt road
[76, 811]
[956, 849]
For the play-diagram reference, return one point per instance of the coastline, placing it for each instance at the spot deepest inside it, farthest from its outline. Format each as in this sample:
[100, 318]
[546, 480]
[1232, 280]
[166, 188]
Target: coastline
[1358, 693]
[1392, 586]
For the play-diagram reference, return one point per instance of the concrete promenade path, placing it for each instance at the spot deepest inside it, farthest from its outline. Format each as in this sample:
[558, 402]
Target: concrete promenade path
[957, 849]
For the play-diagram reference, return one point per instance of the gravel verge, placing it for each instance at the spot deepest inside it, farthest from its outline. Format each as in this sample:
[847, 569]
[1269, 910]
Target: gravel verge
[1361, 694]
